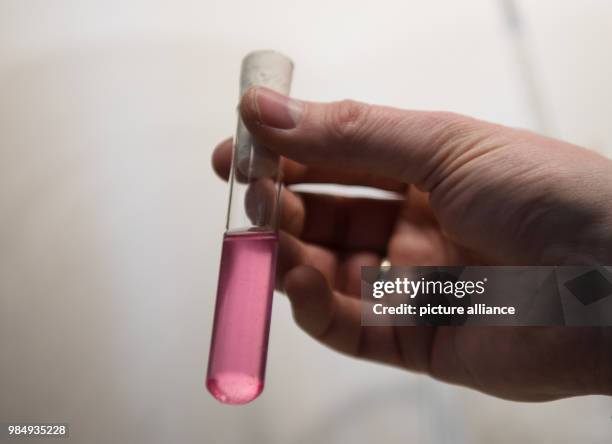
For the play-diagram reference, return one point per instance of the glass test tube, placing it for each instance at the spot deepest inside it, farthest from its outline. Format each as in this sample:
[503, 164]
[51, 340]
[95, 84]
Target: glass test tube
[238, 350]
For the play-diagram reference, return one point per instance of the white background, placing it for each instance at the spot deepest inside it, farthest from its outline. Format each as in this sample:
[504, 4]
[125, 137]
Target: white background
[111, 218]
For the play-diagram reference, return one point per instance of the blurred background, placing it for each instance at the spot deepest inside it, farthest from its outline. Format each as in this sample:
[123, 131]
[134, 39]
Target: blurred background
[111, 217]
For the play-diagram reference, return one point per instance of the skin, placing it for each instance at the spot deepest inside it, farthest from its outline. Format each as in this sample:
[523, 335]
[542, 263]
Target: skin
[469, 192]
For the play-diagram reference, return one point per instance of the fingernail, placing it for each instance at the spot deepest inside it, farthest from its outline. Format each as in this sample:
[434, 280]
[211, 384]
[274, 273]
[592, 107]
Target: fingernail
[276, 110]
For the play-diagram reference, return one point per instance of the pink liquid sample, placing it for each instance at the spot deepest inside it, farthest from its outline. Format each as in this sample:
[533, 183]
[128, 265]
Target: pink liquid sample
[237, 359]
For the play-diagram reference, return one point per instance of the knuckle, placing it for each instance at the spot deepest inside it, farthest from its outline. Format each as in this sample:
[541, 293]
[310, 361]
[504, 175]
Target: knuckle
[346, 118]
[458, 140]
[451, 126]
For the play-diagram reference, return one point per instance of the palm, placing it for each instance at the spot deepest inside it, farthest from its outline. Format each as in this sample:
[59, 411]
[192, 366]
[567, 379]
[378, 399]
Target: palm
[532, 357]
[403, 231]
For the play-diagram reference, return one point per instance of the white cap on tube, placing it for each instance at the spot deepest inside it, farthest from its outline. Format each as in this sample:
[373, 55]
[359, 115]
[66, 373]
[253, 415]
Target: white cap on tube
[272, 70]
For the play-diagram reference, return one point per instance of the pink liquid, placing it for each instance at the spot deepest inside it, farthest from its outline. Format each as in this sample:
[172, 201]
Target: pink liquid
[237, 360]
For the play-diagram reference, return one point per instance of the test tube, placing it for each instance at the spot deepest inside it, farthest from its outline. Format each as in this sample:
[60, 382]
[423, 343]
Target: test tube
[239, 345]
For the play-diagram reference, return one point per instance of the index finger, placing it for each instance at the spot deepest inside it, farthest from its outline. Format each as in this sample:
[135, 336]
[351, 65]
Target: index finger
[296, 173]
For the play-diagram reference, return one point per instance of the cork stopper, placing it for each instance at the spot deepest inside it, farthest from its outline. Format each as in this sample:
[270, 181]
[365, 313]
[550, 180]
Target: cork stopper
[266, 68]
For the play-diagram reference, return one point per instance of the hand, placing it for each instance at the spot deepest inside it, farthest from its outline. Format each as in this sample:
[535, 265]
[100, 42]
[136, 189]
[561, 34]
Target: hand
[471, 193]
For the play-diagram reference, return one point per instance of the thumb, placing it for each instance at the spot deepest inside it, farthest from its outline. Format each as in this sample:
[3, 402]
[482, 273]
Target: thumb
[416, 147]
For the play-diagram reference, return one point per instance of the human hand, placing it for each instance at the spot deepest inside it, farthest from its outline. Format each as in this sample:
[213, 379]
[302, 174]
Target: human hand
[471, 193]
